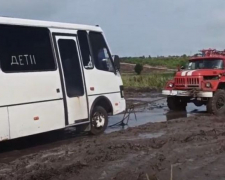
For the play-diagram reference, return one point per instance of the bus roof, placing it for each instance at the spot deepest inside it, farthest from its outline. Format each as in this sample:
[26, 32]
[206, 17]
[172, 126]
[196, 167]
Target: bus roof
[48, 24]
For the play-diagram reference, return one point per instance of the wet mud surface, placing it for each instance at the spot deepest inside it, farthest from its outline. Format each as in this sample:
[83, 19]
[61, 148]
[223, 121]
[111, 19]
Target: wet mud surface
[160, 144]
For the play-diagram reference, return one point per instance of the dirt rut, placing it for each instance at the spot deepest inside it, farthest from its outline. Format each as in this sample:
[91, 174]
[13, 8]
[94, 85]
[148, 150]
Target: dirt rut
[189, 148]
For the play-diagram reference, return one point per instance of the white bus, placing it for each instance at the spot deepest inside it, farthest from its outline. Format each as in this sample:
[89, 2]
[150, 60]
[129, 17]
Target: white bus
[55, 75]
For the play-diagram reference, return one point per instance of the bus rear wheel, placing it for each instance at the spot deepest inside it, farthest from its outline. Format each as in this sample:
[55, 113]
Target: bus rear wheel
[99, 120]
[176, 103]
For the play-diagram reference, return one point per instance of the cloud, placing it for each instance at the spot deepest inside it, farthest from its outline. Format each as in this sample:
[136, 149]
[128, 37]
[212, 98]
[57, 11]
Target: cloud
[136, 27]
[35, 9]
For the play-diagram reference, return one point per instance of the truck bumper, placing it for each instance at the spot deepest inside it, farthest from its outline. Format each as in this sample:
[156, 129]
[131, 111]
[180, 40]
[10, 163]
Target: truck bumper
[186, 93]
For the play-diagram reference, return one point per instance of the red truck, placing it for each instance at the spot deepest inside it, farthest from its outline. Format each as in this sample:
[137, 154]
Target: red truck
[201, 82]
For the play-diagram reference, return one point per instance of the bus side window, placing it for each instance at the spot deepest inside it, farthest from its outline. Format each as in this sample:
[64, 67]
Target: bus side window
[25, 49]
[85, 50]
[101, 55]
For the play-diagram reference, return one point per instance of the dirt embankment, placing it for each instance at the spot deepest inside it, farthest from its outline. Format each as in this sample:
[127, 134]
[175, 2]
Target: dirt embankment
[129, 68]
[194, 148]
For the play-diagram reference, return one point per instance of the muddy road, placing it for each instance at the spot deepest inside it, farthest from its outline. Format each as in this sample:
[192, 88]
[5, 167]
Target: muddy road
[160, 144]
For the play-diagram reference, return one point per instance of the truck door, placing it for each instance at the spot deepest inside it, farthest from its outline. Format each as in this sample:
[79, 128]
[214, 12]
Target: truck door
[72, 78]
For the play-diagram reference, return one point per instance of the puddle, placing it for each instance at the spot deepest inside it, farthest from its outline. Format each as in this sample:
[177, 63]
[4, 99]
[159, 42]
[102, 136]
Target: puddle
[145, 136]
[154, 112]
[150, 135]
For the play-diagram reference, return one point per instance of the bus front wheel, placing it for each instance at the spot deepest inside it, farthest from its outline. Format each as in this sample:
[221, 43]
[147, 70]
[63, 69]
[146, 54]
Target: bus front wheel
[99, 120]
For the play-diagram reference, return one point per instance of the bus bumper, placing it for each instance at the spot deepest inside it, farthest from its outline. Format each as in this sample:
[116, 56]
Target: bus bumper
[121, 107]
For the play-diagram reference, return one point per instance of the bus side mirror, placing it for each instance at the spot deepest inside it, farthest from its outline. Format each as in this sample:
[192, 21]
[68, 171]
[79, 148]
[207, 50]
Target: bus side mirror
[116, 60]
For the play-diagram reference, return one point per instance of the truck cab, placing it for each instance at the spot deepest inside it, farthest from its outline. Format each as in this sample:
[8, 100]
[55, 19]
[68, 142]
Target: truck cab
[201, 82]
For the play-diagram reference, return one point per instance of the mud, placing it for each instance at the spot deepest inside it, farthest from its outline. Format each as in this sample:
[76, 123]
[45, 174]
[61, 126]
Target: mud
[162, 148]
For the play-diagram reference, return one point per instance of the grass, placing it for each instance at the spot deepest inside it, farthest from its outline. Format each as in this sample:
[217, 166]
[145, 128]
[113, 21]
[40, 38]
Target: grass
[169, 62]
[155, 81]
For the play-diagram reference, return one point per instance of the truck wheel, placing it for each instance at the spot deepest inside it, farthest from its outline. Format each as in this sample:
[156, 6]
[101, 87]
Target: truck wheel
[216, 104]
[99, 120]
[176, 104]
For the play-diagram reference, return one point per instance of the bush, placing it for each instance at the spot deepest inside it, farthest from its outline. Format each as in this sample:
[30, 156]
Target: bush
[138, 68]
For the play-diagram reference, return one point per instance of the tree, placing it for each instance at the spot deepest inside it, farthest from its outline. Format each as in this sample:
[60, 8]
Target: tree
[138, 68]
[184, 56]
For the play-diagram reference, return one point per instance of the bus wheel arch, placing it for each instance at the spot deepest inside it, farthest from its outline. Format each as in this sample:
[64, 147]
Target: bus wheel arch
[103, 102]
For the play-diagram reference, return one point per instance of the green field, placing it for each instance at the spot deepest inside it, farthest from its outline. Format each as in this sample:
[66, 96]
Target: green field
[155, 81]
[169, 62]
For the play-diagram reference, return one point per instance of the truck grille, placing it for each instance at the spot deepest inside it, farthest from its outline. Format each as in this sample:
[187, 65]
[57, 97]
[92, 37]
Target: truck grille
[180, 82]
[193, 81]
[188, 81]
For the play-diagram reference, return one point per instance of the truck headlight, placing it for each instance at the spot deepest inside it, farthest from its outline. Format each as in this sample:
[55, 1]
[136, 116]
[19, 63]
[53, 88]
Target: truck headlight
[171, 85]
[208, 85]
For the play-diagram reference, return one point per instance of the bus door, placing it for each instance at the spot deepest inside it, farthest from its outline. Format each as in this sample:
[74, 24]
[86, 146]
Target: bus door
[72, 78]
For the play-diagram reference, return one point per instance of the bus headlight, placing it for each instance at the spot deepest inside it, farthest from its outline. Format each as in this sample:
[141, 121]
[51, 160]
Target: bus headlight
[208, 85]
[122, 91]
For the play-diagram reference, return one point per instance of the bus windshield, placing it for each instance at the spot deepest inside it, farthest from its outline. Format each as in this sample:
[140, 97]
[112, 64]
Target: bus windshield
[206, 64]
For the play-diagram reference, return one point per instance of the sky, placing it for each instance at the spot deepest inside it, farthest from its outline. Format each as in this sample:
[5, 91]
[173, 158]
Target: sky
[136, 27]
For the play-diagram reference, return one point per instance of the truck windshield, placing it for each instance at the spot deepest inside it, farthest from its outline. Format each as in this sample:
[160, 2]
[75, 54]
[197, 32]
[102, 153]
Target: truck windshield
[206, 64]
